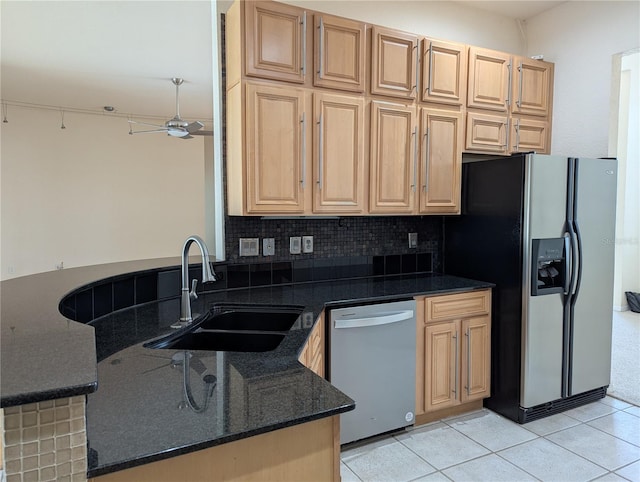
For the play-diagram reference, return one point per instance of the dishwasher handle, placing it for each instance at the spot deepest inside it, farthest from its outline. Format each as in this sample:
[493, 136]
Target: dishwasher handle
[382, 318]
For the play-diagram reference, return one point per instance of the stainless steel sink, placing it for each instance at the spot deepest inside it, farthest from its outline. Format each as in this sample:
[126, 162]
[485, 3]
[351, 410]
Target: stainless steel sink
[234, 327]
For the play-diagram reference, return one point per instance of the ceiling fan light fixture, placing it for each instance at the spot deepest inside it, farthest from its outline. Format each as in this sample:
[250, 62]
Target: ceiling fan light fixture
[177, 133]
[109, 108]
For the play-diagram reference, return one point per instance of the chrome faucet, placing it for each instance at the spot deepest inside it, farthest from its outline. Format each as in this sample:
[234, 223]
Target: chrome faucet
[207, 275]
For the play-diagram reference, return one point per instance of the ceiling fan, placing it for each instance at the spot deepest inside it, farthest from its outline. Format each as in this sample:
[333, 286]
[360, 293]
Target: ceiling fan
[176, 127]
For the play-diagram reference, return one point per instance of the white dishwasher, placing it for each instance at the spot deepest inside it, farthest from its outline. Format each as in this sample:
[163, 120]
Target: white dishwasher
[373, 360]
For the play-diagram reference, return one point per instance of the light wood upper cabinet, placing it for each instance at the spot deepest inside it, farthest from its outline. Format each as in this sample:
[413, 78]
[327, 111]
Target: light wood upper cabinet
[393, 158]
[441, 137]
[489, 79]
[531, 87]
[487, 133]
[339, 173]
[275, 41]
[529, 135]
[275, 149]
[394, 58]
[444, 72]
[339, 53]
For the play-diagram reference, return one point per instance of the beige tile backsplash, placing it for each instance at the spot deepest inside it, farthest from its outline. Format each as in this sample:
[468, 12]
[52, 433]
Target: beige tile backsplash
[45, 441]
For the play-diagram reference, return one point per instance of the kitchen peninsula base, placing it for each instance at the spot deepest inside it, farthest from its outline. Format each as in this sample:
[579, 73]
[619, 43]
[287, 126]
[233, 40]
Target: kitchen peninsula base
[309, 451]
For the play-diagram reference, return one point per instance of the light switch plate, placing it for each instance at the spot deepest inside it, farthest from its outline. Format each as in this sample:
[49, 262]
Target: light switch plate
[413, 240]
[307, 244]
[295, 243]
[268, 247]
[249, 246]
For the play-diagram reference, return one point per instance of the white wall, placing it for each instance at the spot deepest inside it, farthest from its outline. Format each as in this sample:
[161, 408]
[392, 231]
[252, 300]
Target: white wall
[91, 193]
[581, 39]
[442, 20]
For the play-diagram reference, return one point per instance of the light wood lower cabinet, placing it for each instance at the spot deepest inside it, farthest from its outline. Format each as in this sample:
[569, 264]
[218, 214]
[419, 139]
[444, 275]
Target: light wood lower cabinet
[453, 352]
[310, 451]
[312, 354]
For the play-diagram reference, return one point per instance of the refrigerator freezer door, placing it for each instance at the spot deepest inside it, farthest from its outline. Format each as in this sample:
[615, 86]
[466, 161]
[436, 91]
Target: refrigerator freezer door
[595, 215]
[542, 317]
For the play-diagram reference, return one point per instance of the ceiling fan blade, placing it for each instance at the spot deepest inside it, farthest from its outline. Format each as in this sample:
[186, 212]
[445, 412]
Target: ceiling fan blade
[146, 132]
[194, 126]
[187, 137]
[202, 133]
[145, 124]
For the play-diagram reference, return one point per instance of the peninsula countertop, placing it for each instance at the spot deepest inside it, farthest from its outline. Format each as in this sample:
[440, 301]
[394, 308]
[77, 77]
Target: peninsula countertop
[141, 394]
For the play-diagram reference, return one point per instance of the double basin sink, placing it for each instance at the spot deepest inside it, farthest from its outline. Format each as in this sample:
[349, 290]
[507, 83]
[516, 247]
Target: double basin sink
[233, 327]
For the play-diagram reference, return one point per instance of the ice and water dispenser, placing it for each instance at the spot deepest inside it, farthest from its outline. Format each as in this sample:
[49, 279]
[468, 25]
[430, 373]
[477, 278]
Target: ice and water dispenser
[549, 266]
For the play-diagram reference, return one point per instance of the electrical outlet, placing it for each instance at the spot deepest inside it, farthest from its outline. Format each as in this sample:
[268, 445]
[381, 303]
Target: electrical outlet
[413, 240]
[268, 247]
[307, 244]
[249, 246]
[295, 244]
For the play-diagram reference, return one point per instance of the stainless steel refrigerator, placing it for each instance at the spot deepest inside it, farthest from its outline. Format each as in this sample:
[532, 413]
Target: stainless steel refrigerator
[542, 229]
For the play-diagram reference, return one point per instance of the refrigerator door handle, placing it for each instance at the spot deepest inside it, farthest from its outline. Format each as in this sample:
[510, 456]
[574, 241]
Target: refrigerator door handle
[577, 271]
[575, 262]
[567, 264]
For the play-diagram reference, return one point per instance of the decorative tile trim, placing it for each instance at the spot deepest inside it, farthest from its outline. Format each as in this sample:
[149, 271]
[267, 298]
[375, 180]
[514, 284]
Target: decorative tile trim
[45, 441]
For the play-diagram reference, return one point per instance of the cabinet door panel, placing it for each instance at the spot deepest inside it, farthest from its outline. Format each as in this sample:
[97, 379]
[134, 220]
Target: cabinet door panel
[476, 359]
[444, 72]
[274, 35]
[339, 171]
[339, 53]
[393, 158]
[487, 133]
[489, 79]
[393, 63]
[275, 149]
[441, 161]
[532, 87]
[529, 135]
[441, 342]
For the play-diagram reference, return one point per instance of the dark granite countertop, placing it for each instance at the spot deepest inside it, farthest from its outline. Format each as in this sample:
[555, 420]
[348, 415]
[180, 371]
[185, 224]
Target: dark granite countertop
[43, 355]
[142, 395]
[141, 392]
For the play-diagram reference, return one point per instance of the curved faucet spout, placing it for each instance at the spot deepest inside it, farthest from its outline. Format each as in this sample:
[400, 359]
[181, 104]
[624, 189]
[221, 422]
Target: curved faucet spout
[208, 275]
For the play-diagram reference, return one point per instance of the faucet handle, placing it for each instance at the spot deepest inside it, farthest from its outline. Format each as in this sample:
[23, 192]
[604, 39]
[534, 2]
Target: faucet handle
[192, 293]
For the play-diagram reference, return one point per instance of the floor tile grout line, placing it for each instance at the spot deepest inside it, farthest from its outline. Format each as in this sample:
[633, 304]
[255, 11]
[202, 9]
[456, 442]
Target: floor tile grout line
[581, 456]
[515, 465]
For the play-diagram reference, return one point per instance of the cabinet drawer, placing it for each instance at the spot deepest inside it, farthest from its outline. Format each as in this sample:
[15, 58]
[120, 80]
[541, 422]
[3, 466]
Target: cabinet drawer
[460, 305]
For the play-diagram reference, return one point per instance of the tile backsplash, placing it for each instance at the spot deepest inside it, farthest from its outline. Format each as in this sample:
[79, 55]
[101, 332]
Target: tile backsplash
[337, 237]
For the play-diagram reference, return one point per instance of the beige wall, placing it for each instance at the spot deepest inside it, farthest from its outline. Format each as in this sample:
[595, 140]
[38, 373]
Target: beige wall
[91, 193]
[439, 19]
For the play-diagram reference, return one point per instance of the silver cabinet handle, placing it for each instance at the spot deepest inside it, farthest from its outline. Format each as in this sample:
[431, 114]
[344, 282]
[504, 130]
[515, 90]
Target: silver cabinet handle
[321, 48]
[425, 186]
[417, 79]
[509, 84]
[304, 43]
[320, 151]
[520, 73]
[507, 134]
[455, 372]
[303, 157]
[415, 158]
[517, 128]
[430, 77]
[468, 381]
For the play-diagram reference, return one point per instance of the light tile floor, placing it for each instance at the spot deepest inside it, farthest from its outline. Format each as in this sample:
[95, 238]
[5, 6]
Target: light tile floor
[599, 441]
